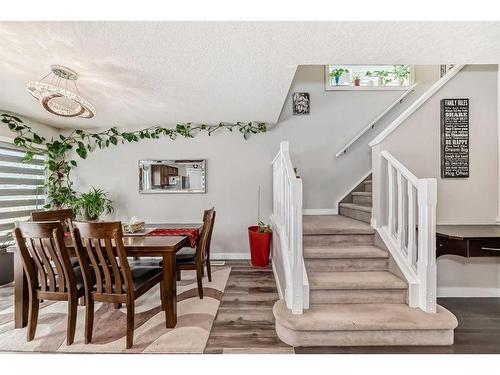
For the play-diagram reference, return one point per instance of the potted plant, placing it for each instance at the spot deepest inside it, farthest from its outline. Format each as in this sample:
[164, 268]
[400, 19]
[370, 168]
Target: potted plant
[259, 238]
[356, 79]
[335, 74]
[6, 260]
[93, 204]
[383, 76]
[401, 73]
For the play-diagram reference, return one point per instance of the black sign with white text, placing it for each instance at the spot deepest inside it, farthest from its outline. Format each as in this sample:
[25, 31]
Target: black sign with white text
[454, 138]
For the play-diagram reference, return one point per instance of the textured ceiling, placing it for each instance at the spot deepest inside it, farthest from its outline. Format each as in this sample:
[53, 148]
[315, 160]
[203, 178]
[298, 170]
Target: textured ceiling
[141, 73]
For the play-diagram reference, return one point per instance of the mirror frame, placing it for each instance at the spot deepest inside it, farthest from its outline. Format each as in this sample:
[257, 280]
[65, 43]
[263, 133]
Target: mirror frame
[144, 162]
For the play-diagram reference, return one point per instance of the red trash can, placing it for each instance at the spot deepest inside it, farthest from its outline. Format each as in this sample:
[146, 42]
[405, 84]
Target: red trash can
[260, 246]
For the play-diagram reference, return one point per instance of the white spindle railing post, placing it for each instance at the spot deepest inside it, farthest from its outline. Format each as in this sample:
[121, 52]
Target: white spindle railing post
[412, 246]
[390, 197]
[400, 221]
[426, 267]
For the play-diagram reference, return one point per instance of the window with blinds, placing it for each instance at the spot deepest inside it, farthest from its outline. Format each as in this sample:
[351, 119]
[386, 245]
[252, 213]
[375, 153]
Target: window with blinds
[21, 187]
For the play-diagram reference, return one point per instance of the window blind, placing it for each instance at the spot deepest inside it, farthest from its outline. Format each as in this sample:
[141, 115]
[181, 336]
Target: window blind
[21, 187]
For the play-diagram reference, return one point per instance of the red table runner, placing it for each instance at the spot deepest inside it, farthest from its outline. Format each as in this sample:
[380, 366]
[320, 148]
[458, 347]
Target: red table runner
[192, 233]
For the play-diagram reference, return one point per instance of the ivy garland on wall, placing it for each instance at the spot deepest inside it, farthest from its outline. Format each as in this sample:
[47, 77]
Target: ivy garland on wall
[60, 162]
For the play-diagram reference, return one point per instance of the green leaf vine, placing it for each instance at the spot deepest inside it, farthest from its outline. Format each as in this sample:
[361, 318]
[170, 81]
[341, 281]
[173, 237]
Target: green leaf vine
[60, 161]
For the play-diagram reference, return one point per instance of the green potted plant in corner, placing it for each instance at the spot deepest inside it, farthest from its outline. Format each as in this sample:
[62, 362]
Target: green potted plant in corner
[6, 259]
[356, 79]
[93, 204]
[259, 239]
[401, 73]
[335, 74]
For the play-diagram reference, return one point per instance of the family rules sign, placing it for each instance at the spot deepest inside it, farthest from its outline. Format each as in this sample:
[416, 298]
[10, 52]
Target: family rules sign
[454, 138]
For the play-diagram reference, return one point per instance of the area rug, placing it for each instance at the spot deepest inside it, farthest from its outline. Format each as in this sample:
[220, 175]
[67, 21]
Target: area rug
[195, 317]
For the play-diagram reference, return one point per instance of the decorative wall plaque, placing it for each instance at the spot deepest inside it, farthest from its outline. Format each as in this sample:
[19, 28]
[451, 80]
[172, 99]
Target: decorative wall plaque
[454, 138]
[300, 103]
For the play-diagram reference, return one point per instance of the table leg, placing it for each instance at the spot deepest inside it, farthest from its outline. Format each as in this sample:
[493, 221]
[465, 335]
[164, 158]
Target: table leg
[20, 293]
[170, 280]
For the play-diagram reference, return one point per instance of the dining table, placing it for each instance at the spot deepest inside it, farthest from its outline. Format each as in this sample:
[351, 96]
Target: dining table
[136, 245]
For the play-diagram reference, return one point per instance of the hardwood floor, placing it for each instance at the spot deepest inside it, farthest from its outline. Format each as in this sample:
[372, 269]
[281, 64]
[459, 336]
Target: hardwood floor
[245, 321]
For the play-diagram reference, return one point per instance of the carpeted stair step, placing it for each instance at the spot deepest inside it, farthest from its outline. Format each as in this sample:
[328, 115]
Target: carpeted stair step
[356, 211]
[345, 258]
[364, 325]
[367, 185]
[326, 230]
[356, 287]
[362, 198]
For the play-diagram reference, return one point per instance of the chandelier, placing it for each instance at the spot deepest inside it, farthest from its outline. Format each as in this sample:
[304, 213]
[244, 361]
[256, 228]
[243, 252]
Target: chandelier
[55, 97]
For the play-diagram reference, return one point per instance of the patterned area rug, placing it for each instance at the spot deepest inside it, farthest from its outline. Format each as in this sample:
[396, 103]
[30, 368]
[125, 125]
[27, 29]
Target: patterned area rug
[195, 317]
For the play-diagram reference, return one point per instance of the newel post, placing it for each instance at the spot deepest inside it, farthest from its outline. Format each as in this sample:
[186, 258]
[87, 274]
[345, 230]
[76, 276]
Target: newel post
[426, 266]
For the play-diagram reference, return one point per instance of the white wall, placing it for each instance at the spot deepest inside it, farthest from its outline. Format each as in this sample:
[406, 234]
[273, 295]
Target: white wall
[236, 167]
[416, 143]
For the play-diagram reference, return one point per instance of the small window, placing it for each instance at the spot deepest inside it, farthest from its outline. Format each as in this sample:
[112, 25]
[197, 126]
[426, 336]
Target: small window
[21, 187]
[368, 77]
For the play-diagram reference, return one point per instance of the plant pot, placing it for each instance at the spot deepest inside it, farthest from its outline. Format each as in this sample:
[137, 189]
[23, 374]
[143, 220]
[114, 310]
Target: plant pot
[6, 267]
[357, 82]
[260, 246]
[337, 80]
[87, 217]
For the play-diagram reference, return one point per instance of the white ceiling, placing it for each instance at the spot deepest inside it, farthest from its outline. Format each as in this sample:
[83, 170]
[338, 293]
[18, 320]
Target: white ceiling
[142, 73]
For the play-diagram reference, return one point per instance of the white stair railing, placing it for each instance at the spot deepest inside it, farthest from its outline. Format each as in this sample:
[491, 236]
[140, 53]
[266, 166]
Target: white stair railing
[372, 124]
[287, 257]
[405, 217]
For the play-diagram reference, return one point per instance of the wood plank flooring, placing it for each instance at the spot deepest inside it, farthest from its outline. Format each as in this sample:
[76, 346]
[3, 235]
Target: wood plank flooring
[245, 322]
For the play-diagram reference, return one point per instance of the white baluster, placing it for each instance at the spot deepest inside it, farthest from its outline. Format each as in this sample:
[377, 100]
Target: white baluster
[411, 226]
[390, 197]
[400, 220]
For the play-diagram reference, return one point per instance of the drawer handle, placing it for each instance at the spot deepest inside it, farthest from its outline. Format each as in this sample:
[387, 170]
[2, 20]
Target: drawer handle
[490, 249]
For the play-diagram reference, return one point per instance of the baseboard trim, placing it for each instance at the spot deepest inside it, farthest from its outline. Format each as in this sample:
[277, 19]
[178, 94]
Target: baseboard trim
[320, 211]
[230, 256]
[467, 292]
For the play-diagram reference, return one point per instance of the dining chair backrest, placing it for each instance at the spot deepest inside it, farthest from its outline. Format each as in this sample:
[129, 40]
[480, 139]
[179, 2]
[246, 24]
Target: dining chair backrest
[203, 246]
[99, 247]
[44, 255]
[65, 216]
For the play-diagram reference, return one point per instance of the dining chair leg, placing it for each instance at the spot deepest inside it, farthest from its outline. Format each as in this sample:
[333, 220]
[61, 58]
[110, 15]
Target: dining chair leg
[162, 296]
[130, 324]
[199, 271]
[118, 306]
[72, 311]
[209, 270]
[34, 307]
[89, 319]
[178, 274]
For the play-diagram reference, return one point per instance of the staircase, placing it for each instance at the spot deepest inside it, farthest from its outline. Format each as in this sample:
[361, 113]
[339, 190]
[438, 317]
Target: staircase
[357, 294]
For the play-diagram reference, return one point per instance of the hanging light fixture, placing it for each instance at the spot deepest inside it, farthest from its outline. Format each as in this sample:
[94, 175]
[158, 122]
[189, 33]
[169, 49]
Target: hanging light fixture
[55, 97]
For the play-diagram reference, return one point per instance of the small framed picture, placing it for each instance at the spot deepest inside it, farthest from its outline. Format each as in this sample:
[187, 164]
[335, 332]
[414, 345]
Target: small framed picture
[300, 103]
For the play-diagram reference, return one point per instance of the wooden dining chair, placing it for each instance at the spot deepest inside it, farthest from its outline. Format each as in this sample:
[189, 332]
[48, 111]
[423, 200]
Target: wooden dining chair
[100, 249]
[49, 272]
[65, 216]
[196, 259]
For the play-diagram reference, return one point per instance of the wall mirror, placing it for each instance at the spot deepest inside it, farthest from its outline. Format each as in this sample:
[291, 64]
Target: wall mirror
[172, 176]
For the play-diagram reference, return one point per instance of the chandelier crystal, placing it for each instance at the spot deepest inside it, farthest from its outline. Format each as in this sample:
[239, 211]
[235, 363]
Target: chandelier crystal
[55, 97]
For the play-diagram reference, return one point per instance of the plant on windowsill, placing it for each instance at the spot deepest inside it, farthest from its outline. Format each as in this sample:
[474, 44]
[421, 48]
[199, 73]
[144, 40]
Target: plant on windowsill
[382, 75]
[401, 73]
[335, 74]
[93, 204]
[356, 79]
